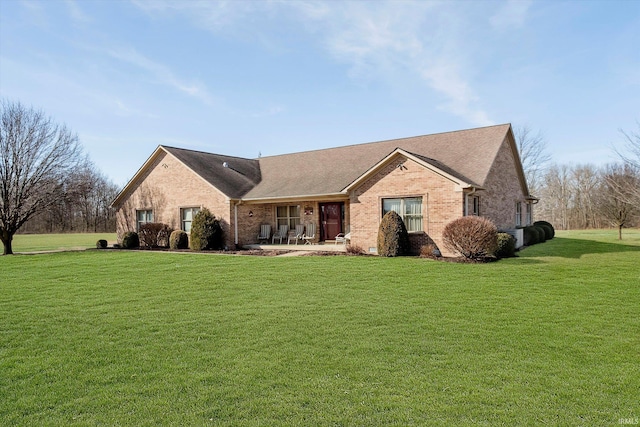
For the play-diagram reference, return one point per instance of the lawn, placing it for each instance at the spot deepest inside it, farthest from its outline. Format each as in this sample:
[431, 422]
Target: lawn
[56, 242]
[141, 338]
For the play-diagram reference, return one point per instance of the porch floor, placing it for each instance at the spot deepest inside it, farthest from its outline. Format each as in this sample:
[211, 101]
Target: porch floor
[319, 247]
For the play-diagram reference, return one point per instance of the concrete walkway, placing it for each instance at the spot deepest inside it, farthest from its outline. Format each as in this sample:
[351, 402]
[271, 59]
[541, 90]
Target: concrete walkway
[300, 248]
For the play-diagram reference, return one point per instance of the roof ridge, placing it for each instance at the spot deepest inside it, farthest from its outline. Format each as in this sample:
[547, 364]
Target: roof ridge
[385, 140]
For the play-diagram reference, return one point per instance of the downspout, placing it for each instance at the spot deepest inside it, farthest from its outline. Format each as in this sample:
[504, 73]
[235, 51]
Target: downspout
[235, 223]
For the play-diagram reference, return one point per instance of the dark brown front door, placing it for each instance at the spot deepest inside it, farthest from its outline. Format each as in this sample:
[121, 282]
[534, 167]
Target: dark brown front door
[330, 220]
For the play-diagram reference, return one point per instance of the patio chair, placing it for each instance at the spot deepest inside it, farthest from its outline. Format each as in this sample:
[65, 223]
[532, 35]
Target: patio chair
[343, 238]
[280, 234]
[265, 233]
[296, 235]
[309, 234]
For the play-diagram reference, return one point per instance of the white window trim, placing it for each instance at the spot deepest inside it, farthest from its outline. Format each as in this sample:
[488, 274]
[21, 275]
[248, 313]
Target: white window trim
[194, 211]
[148, 217]
[402, 209]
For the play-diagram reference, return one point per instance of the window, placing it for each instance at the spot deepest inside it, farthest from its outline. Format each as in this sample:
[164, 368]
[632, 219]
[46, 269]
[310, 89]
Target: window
[528, 213]
[143, 216]
[288, 215]
[473, 205]
[518, 214]
[187, 215]
[409, 209]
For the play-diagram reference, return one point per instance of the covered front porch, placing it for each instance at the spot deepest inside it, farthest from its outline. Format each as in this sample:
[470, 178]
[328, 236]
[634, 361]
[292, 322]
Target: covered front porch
[319, 247]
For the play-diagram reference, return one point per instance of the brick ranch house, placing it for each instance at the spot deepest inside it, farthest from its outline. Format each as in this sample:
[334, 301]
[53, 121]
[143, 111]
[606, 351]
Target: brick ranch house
[429, 180]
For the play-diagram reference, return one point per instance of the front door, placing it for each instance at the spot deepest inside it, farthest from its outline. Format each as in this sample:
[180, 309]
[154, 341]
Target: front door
[330, 220]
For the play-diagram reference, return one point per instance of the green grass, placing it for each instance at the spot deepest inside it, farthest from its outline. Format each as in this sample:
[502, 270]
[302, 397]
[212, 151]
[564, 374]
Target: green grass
[55, 242]
[142, 338]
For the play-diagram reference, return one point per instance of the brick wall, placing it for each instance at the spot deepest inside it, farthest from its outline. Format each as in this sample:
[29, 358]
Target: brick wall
[503, 190]
[166, 187]
[441, 202]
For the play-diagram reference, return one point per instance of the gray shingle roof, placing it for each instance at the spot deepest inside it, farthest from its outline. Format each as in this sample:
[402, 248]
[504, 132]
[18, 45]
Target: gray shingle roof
[235, 179]
[467, 155]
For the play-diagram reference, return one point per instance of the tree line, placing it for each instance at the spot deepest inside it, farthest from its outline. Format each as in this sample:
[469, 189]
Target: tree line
[586, 195]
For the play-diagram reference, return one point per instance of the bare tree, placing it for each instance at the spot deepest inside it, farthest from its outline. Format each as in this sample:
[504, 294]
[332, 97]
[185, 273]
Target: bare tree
[630, 155]
[36, 158]
[618, 185]
[585, 180]
[532, 147]
[557, 196]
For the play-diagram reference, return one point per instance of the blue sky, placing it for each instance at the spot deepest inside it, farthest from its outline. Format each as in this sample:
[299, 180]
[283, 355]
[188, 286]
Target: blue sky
[250, 78]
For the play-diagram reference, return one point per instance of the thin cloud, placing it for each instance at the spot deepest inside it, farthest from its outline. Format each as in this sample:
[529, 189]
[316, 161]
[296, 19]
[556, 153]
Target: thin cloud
[387, 41]
[162, 74]
[512, 14]
[76, 13]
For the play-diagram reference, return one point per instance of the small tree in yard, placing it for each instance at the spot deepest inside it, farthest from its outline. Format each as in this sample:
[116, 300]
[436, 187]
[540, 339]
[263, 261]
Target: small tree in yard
[206, 231]
[473, 237]
[393, 239]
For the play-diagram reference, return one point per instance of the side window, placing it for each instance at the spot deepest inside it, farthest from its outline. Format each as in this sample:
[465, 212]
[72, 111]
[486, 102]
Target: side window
[187, 215]
[143, 216]
[518, 214]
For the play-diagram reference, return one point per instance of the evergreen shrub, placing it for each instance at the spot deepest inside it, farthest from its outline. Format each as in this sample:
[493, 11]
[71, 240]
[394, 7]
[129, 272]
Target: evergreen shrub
[549, 231]
[130, 240]
[206, 231]
[393, 238]
[506, 246]
[179, 240]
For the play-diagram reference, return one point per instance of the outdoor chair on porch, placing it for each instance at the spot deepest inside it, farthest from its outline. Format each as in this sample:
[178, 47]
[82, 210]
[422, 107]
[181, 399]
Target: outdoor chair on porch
[280, 234]
[296, 235]
[342, 238]
[265, 233]
[309, 234]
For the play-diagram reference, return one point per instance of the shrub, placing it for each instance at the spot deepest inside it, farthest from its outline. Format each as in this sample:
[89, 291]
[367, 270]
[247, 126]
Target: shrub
[130, 240]
[355, 250]
[206, 231]
[101, 244]
[154, 234]
[430, 250]
[549, 231]
[506, 246]
[179, 240]
[542, 237]
[473, 237]
[393, 239]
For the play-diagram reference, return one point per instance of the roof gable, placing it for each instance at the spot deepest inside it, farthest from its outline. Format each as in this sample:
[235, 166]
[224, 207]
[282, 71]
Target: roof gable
[431, 164]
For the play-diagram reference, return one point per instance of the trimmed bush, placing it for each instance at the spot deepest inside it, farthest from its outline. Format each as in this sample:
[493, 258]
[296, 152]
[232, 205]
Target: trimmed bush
[430, 250]
[549, 231]
[506, 246]
[206, 231]
[393, 239]
[154, 235]
[473, 237]
[179, 240]
[542, 237]
[101, 244]
[130, 240]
